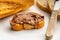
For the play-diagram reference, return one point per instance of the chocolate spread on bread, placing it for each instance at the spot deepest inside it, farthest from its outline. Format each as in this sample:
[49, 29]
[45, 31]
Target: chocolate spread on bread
[28, 18]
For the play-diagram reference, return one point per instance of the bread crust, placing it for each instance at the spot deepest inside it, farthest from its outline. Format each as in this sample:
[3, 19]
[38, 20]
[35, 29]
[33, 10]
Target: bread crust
[40, 24]
[17, 27]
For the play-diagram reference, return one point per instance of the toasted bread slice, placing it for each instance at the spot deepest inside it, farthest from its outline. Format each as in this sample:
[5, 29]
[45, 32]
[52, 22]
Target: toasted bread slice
[7, 9]
[51, 4]
[21, 21]
[42, 4]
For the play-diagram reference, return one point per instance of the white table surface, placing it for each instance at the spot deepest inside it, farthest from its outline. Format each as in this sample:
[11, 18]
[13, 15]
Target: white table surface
[7, 34]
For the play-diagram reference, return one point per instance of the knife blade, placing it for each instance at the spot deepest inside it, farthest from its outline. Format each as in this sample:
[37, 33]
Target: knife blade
[53, 21]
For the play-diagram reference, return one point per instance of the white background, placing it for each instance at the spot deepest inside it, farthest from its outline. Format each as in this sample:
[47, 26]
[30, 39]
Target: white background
[7, 34]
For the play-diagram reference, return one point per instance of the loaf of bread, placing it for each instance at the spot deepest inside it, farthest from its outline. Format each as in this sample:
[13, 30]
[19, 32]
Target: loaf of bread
[27, 21]
[9, 7]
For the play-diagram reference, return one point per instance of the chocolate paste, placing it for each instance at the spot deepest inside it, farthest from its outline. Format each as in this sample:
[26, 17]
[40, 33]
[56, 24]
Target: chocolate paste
[29, 18]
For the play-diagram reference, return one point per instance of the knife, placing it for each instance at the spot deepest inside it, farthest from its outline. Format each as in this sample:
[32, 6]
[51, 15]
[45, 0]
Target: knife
[53, 21]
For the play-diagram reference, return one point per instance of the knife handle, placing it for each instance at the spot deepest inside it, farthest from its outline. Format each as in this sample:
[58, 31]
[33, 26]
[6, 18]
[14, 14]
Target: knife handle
[52, 23]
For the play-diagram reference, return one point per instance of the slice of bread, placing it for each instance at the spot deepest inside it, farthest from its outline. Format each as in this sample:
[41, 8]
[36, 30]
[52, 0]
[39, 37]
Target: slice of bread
[7, 9]
[42, 4]
[27, 21]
